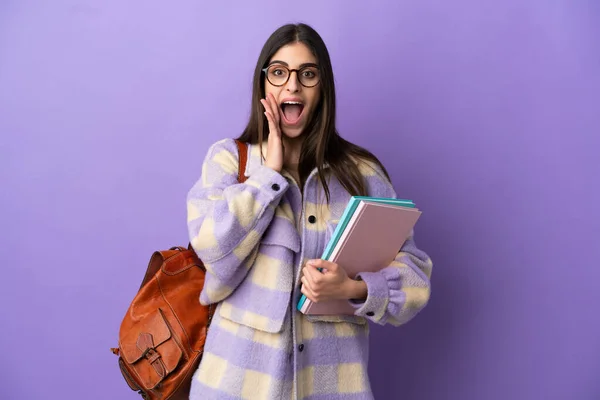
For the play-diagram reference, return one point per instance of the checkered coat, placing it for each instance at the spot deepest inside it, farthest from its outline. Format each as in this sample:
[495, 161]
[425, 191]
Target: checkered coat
[254, 237]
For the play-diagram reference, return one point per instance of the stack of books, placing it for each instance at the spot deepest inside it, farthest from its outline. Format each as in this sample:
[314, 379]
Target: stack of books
[368, 238]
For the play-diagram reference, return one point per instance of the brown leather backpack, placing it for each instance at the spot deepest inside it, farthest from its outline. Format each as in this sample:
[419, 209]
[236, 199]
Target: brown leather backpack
[161, 338]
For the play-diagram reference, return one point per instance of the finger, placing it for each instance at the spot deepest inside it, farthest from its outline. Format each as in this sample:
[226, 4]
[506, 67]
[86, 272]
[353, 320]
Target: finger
[268, 109]
[269, 106]
[265, 104]
[275, 108]
[269, 117]
[307, 274]
[328, 266]
[317, 265]
[306, 282]
[271, 122]
[314, 277]
[309, 294]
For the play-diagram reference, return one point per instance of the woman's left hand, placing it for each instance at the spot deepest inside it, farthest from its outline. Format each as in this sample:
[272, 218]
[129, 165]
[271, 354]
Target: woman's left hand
[330, 283]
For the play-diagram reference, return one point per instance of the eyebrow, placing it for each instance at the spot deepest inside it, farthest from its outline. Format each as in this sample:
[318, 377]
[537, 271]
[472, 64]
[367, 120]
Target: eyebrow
[287, 65]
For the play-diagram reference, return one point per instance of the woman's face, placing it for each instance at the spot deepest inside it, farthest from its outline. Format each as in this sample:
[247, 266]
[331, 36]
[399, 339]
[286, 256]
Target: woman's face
[296, 101]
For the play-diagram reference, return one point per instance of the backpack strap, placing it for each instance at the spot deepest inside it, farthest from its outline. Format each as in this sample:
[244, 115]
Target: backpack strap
[243, 157]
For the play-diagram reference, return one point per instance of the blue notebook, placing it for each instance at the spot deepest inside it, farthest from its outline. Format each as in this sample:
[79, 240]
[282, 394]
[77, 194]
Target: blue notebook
[346, 217]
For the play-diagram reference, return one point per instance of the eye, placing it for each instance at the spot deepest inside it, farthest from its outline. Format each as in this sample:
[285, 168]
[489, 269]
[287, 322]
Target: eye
[278, 71]
[308, 74]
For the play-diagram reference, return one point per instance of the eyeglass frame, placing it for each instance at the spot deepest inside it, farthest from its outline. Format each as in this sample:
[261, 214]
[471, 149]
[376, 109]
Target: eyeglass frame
[264, 70]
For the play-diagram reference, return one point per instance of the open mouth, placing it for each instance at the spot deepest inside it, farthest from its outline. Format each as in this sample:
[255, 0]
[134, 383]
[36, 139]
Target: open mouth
[292, 111]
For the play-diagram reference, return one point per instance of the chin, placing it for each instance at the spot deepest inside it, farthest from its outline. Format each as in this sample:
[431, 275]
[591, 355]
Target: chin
[293, 133]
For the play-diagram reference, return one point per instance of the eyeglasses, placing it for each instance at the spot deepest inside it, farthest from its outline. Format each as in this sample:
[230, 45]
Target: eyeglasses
[279, 75]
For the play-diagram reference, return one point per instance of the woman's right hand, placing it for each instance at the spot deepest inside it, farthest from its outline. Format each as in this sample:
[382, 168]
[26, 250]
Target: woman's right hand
[275, 143]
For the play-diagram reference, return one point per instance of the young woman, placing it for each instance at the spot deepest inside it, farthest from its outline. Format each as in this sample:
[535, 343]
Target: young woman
[261, 241]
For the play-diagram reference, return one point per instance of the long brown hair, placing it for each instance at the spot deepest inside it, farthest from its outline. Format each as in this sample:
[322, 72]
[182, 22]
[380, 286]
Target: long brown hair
[322, 143]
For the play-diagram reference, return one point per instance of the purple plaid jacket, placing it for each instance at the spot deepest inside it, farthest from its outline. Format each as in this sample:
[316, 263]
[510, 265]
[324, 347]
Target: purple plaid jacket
[254, 237]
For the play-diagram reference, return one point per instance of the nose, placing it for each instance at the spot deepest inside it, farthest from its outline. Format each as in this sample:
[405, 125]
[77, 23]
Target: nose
[292, 84]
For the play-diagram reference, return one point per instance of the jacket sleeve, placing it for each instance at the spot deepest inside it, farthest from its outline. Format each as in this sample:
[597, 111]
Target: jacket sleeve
[226, 219]
[400, 291]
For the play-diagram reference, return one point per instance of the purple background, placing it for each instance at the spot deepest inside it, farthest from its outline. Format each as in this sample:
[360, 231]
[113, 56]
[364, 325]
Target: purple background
[485, 112]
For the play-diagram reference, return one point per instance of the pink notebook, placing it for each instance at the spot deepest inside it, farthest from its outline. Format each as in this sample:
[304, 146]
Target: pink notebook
[370, 242]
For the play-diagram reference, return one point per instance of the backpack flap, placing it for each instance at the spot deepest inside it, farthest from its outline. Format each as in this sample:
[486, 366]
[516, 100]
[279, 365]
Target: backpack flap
[150, 350]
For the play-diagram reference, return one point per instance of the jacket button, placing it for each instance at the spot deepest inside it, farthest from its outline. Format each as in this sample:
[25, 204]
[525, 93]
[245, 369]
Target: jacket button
[275, 187]
[370, 313]
[300, 347]
[312, 219]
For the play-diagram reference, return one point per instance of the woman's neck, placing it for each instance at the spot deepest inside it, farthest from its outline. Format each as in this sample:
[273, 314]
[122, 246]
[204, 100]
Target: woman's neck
[293, 147]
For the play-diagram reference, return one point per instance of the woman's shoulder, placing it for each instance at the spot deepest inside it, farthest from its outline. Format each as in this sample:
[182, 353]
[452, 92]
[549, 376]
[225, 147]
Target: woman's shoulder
[375, 175]
[368, 167]
[223, 152]
[223, 145]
